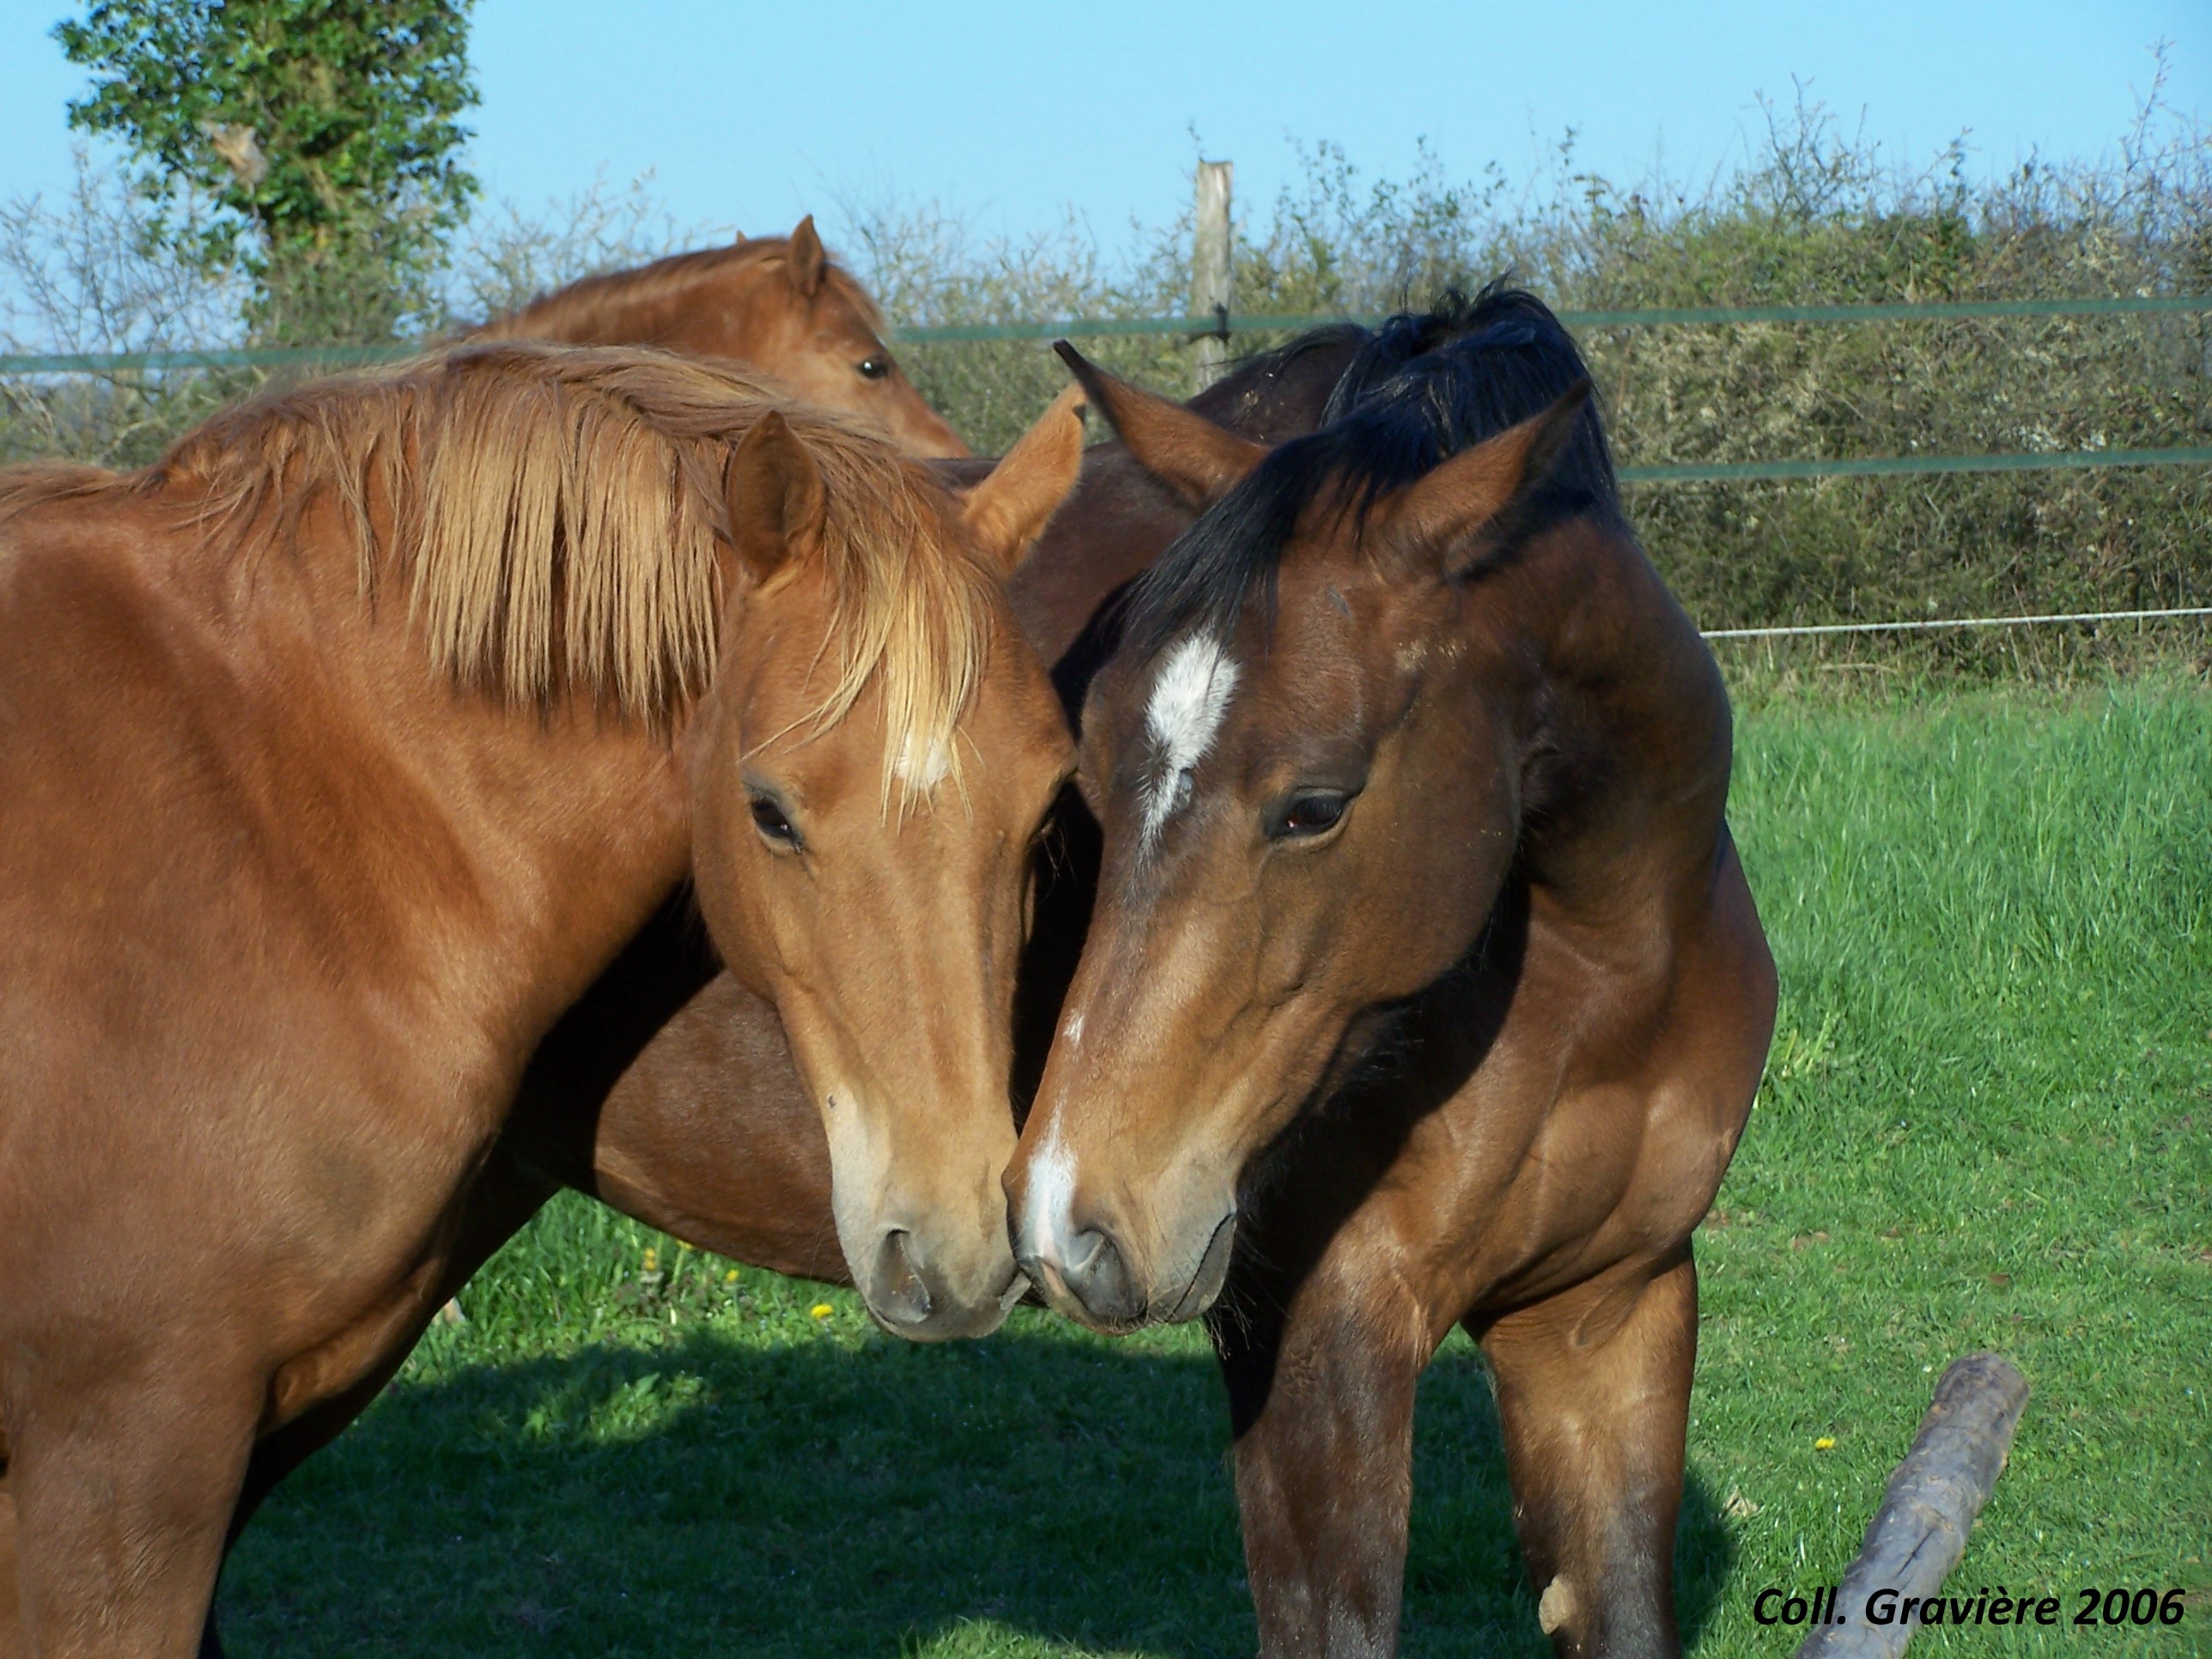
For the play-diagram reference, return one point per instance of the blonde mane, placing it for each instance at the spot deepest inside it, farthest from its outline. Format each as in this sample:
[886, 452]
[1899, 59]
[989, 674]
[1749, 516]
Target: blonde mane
[560, 516]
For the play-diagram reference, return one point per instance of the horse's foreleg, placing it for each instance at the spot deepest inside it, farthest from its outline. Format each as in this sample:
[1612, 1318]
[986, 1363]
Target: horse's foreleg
[504, 1198]
[1593, 1399]
[1324, 1414]
[122, 1496]
[11, 1634]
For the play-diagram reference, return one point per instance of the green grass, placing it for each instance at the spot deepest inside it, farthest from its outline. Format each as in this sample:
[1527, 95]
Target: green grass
[1985, 1125]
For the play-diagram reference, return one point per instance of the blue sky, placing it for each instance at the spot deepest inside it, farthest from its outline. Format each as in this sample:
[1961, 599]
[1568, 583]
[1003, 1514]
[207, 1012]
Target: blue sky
[1012, 114]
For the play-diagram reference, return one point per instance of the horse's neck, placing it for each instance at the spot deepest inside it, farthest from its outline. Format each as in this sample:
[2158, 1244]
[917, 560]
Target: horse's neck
[508, 850]
[708, 311]
[1626, 727]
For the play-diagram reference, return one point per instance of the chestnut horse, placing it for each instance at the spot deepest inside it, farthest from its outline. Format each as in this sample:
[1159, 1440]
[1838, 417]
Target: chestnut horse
[344, 749]
[1422, 984]
[775, 304]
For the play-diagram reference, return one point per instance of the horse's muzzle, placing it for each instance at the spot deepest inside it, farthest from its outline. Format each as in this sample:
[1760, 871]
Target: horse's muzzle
[909, 1298]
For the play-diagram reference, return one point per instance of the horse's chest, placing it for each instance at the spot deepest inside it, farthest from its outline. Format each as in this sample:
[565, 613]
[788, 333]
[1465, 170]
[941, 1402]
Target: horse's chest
[1527, 1163]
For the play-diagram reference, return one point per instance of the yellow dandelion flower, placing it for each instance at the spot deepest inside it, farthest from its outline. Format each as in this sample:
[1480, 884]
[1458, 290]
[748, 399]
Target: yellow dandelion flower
[730, 1277]
[652, 1260]
[682, 1245]
[1825, 1443]
[821, 1310]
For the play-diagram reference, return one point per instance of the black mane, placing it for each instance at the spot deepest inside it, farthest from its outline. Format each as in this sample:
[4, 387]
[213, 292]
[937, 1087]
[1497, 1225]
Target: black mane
[1425, 385]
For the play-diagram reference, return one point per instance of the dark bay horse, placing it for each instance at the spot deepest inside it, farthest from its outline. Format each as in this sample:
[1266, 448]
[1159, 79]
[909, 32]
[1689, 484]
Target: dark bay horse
[340, 752]
[776, 304]
[1422, 984]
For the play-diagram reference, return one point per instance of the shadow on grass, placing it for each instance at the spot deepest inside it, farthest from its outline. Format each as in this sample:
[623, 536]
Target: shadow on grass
[1043, 1488]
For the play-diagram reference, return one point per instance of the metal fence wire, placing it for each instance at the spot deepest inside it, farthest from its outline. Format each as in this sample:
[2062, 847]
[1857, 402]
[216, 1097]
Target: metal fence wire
[1223, 324]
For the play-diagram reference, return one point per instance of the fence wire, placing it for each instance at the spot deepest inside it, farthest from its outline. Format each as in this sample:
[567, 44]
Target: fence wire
[1224, 323]
[1917, 625]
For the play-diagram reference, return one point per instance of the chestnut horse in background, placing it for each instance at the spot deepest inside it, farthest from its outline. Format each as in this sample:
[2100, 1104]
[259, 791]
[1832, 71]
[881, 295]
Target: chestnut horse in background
[340, 752]
[1422, 984]
[776, 304]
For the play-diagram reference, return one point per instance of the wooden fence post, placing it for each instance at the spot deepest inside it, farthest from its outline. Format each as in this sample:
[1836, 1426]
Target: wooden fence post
[1210, 270]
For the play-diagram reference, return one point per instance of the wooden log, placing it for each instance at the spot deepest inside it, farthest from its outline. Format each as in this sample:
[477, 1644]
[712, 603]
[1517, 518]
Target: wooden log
[1919, 1533]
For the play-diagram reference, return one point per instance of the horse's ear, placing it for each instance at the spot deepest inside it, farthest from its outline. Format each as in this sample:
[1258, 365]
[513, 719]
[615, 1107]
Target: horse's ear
[775, 497]
[807, 259]
[1436, 517]
[1197, 459]
[1006, 512]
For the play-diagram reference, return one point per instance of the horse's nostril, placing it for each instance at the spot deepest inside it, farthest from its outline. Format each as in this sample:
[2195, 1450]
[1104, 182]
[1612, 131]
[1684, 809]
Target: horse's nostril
[1097, 1276]
[899, 1293]
[1083, 1251]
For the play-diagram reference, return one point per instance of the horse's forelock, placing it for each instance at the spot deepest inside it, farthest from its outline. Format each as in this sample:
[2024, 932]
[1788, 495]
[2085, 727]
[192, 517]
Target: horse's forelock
[913, 607]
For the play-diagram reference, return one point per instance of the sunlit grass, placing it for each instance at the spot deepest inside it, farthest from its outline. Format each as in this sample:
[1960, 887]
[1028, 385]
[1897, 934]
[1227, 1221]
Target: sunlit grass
[1985, 1125]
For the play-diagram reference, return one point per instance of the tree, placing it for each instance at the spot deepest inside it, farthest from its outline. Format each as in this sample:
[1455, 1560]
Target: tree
[327, 129]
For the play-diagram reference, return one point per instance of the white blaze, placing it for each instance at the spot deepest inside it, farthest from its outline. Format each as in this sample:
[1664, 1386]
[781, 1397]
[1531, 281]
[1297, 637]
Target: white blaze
[922, 764]
[1189, 700]
[1051, 1198]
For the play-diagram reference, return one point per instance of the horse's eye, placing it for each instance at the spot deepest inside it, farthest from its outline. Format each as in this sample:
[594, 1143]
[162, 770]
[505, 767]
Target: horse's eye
[1315, 814]
[775, 826]
[875, 366]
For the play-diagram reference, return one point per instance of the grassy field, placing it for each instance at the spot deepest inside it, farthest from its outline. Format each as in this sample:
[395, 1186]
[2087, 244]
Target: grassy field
[1985, 1125]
